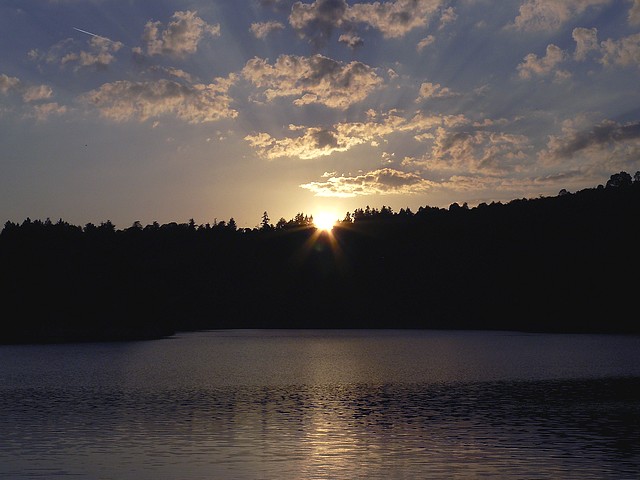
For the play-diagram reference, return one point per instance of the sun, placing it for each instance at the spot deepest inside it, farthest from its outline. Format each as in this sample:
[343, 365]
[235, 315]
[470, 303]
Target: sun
[324, 221]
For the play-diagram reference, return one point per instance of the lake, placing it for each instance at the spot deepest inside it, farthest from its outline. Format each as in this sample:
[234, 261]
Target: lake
[343, 404]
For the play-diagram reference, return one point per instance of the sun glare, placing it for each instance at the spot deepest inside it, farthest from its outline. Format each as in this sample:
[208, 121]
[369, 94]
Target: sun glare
[325, 221]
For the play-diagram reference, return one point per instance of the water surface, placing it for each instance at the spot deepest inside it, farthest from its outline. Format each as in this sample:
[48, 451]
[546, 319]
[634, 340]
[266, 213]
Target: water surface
[324, 404]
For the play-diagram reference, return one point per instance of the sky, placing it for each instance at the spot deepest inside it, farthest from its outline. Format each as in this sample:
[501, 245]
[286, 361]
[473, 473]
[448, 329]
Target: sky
[132, 110]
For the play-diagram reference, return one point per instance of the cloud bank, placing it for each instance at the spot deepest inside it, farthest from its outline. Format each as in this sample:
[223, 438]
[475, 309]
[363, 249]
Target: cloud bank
[126, 100]
[316, 79]
[180, 37]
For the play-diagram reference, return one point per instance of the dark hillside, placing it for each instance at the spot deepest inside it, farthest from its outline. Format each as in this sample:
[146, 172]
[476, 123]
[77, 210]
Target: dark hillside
[565, 263]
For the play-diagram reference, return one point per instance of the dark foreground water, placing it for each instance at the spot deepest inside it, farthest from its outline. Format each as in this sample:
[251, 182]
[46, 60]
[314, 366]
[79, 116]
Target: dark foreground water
[324, 404]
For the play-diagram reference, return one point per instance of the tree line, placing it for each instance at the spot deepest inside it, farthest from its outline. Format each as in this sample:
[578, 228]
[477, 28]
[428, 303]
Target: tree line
[561, 263]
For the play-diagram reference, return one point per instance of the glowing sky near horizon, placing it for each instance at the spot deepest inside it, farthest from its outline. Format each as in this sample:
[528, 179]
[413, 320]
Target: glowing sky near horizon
[205, 109]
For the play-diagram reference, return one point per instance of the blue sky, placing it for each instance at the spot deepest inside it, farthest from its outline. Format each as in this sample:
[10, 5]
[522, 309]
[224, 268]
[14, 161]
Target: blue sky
[170, 110]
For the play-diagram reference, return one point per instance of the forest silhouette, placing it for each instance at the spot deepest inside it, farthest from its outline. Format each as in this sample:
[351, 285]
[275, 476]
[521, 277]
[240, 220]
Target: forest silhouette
[566, 263]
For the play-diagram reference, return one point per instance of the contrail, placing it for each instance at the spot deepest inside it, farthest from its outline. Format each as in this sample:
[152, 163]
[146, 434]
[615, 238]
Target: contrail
[94, 35]
[89, 33]
[97, 36]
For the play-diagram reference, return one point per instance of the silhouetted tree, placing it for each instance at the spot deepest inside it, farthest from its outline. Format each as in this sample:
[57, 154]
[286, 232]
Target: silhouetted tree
[107, 227]
[265, 222]
[622, 179]
[280, 224]
[492, 266]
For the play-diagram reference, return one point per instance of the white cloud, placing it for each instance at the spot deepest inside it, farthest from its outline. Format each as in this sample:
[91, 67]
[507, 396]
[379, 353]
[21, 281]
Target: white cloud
[181, 36]
[624, 52]
[262, 29]
[425, 42]
[435, 90]
[634, 13]
[44, 110]
[351, 40]
[535, 66]
[313, 142]
[315, 79]
[549, 15]
[393, 19]
[449, 15]
[8, 83]
[174, 72]
[126, 100]
[476, 151]
[30, 94]
[586, 41]
[101, 54]
[384, 181]
[39, 92]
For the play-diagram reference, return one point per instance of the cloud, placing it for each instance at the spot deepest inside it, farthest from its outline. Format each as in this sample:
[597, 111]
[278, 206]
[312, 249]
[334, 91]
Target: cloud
[174, 72]
[435, 90]
[317, 20]
[35, 93]
[8, 84]
[351, 40]
[315, 79]
[586, 41]
[394, 19]
[605, 135]
[126, 100]
[262, 29]
[101, 54]
[385, 181]
[30, 93]
[476, 151]
[53, 53]
[550, 15]
[44, 110]
[449, 15]
[425, 42]
[624, 52]
[634, 13]
[534, 66]
[313, 142]
[181, 36]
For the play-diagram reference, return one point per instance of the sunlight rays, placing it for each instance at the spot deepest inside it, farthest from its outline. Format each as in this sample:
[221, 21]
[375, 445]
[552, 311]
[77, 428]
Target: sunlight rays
[325, 221]
[323, 245]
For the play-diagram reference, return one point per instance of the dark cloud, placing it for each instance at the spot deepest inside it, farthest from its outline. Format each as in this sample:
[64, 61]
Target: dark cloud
[394, 19]
[315, 79]
[318, 20]
[453, 139]
[325, 139]
[606, 133]
[389, 179]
